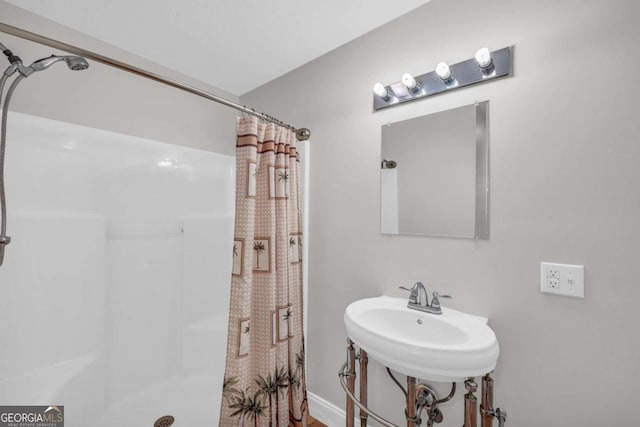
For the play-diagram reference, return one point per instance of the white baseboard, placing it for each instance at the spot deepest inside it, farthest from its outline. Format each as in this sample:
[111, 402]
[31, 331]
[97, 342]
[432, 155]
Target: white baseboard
[326, 412]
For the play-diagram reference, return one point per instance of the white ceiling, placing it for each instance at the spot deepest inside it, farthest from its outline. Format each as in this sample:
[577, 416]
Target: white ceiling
[236, 45]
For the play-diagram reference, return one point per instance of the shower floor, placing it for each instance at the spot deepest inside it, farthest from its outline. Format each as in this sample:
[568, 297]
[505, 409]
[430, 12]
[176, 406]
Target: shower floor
[194, 402]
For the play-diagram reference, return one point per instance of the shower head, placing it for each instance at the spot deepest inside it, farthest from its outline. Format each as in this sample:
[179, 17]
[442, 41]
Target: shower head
[74, 63]
[77, 63]
[389, 164]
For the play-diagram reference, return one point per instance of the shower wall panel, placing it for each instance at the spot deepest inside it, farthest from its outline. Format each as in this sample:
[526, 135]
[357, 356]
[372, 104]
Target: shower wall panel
[52, 310]
[114, 292]
[205, 252]
[142, 307]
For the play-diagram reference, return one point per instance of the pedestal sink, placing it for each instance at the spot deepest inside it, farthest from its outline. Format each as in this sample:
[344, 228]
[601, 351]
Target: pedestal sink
[449, 347]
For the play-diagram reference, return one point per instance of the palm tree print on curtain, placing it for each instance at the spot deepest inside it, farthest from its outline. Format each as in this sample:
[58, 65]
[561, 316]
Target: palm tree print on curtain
[265, 382]
[259, 246]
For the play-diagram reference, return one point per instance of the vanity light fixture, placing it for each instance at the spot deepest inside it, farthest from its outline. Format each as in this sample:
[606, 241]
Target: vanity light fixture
[484, 66]
[381, 91]
[410, 82]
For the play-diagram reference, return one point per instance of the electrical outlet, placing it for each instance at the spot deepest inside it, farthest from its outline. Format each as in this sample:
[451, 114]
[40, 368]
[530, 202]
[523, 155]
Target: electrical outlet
[552, 276]
[562, 279]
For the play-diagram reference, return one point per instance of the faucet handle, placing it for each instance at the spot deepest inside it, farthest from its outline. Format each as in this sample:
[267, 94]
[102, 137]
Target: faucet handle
[413, 298]
[435, 300]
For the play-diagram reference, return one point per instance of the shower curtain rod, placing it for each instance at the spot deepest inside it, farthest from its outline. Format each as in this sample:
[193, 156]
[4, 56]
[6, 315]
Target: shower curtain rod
[302, 134]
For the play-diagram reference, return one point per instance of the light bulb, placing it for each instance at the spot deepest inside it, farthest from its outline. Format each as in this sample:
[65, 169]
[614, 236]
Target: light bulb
[409, 82]
[483, 57]
[442, 70]
[380, 90]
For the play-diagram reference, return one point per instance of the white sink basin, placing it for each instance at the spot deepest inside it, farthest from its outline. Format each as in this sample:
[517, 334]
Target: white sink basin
[449, 347]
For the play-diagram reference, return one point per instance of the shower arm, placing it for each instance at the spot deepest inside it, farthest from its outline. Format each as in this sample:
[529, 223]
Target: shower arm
[14, 59]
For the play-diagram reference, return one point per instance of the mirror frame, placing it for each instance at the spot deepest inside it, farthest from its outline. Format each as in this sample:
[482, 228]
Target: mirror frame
[482, 171]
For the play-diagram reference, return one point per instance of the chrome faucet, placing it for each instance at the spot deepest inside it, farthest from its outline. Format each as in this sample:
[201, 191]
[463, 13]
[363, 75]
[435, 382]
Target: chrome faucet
[418, 291]
[417, 302]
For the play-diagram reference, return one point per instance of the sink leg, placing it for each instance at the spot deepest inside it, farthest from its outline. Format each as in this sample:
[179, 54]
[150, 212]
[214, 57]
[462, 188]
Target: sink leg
[364, 360]
[486, 407]
[470, 404]
[351, 382]
[411, 402]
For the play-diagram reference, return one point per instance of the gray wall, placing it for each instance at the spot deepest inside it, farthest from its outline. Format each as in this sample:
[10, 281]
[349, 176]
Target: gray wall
[564, 188]
[107, 98]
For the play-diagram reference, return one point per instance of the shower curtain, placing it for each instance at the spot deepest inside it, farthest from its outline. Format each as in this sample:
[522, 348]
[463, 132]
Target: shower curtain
[264, 383]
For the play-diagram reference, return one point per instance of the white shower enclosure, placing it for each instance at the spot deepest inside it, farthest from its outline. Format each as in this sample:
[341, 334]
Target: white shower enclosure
[115, 289]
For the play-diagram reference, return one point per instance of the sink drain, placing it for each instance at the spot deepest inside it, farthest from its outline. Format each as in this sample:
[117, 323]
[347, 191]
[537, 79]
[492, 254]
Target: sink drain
[165, 421]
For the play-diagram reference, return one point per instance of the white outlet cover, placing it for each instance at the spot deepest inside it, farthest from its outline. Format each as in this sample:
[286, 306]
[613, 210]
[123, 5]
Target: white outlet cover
[562, 279]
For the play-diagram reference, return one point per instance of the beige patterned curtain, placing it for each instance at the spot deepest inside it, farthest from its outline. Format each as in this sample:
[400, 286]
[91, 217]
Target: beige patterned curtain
[264, 382]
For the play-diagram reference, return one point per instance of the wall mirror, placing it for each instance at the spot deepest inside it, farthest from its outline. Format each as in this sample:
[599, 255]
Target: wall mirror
[435, 174]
